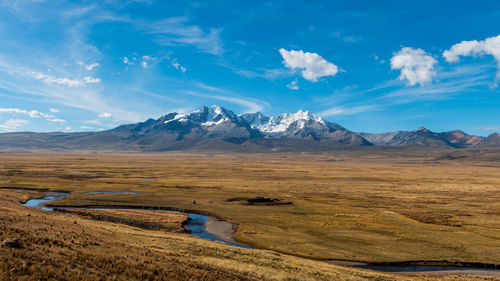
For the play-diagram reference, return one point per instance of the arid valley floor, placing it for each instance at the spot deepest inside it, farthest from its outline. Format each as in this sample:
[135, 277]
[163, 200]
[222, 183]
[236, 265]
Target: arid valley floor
[435, 207]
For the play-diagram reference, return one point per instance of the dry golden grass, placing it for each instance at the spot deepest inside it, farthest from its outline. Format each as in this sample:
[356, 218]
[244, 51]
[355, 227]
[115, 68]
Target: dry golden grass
[66, 247]
[147, 219]
[365, 206]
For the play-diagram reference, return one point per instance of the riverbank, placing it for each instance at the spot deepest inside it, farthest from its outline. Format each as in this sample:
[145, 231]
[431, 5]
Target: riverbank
[214, 229]
[222, 229]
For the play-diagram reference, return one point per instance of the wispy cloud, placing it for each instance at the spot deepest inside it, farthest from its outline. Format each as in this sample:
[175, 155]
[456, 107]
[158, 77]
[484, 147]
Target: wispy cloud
[251, 105]
[488, 46]
[492, 129]
[56, 120]
[454, 82]
[346, 110]
[55, 80]
[177, 31]
[177, 66]
[105, 115]
[30, 113]
[293, 85]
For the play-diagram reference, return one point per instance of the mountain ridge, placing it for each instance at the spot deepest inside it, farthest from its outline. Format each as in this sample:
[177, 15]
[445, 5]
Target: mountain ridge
[218, 128]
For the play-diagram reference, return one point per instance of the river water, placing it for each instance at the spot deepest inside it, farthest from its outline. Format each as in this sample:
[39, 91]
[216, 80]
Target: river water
[197, 226]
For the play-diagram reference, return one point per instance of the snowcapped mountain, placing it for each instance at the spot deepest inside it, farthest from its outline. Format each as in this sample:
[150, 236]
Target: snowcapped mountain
[299, 124]
[217, 122]
[219, 129]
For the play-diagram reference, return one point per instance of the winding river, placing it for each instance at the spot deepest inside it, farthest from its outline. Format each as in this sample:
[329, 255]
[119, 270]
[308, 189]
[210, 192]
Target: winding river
[197, 224]
[198, 227]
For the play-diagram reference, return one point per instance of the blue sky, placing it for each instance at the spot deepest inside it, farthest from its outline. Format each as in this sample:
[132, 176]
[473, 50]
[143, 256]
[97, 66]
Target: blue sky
[372, 66]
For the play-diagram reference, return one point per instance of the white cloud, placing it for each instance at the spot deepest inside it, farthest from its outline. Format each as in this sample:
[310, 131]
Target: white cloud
[489, 128]
[38, 114]
[105, 115]
[32, 113]
[313, 65]
[144, 64]
[488, 46]
[91, 80]
[89, 67]
[13, 124]
[178, 66]
[293, 85]
[54, 80]
[94, 122]
[127, 61]
[148, 58]
[61, 59]
[62, 81]
[252, 105]
[86, 127]
[56, 120]
[13, 110]
[54, 110]
[416, 65]
[346, 111]
[176, 32]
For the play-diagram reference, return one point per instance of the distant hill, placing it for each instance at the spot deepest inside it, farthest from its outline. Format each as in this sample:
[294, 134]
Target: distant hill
[219, 129]
[492, 140]
[424, 138]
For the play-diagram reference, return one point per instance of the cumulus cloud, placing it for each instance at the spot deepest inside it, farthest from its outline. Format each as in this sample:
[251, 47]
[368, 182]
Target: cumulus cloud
[38, 114]
[313, 65]
[105, 115]
[144, 64]
[13, 124]
[488, 46]
[293, 85]
[416, 65]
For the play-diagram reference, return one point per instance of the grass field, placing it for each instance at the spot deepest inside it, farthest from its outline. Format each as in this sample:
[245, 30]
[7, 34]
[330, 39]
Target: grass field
[358, 206]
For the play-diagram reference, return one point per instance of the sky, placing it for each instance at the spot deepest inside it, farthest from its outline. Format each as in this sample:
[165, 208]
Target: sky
[370, 66]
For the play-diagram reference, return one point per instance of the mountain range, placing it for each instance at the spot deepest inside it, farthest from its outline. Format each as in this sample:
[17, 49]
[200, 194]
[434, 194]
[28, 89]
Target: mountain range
[219, 129]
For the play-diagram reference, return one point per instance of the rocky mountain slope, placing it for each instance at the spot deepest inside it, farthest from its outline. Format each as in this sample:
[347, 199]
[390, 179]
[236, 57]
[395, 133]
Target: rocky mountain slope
[209, 128]
[422, 137]
[219, 129]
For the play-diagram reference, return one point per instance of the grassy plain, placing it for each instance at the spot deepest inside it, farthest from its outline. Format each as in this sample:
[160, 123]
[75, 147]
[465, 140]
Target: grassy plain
[360, 206]
[57, 246]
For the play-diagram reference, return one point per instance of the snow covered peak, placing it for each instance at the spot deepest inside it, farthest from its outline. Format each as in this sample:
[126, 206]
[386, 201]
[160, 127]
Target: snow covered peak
[282, 122]
[273, 127]
[206, 116]
[216, 115]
